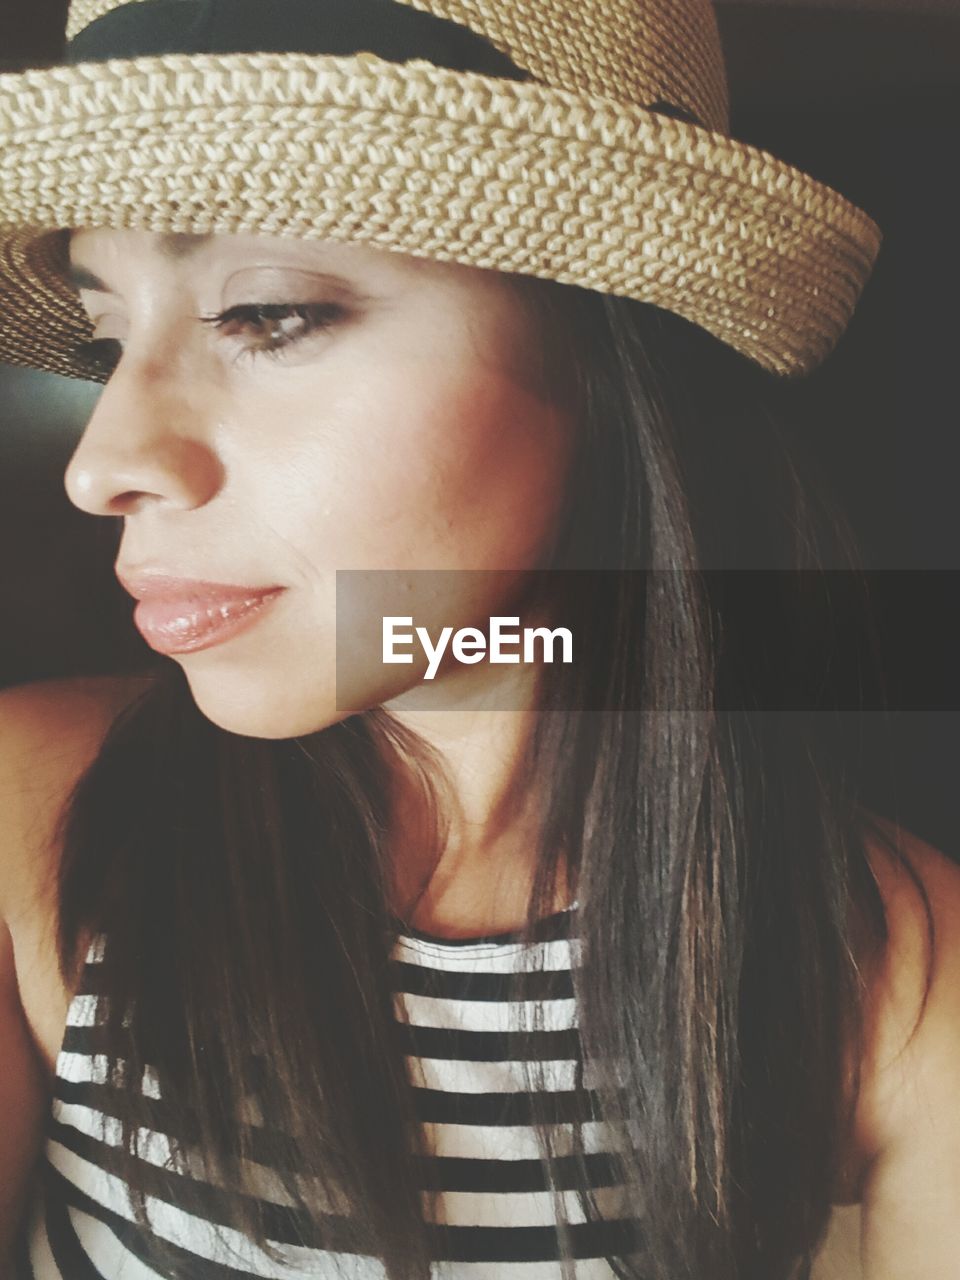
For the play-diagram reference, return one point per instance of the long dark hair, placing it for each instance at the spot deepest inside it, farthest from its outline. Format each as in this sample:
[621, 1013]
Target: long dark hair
[717, 856]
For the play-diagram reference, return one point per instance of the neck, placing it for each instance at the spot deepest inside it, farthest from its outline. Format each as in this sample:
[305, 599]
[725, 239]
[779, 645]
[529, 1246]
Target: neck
[472, 871]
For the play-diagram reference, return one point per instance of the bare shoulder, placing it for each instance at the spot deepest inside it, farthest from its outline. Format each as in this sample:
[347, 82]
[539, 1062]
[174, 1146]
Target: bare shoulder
[50, 731]
[907, 1119]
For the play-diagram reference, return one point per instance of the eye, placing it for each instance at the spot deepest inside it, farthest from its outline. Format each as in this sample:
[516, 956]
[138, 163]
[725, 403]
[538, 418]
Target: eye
[273, 327]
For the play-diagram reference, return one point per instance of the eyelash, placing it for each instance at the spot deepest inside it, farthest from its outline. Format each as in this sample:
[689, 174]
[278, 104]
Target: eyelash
[104, 353]
[317, 316]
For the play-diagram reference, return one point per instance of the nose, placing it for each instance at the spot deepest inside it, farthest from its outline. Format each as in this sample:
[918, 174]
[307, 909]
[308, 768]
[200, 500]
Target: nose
[148, 442]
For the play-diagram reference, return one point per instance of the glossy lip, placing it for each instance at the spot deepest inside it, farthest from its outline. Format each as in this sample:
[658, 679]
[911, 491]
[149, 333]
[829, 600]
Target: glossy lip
[182, 615]
[156, 585]
[184, 626]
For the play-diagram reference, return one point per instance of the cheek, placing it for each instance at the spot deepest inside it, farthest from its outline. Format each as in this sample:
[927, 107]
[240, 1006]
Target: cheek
[424, 472]
[473, 476]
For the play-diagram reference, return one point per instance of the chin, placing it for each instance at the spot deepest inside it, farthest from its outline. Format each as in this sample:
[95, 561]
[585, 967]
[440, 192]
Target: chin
[254, 708]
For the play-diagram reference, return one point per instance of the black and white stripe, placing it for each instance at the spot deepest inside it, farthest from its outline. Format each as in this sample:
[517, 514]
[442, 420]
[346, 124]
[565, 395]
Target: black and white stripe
[466, 1046]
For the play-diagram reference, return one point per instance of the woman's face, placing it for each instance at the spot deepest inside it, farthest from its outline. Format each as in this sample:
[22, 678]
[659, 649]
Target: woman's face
[380, 412]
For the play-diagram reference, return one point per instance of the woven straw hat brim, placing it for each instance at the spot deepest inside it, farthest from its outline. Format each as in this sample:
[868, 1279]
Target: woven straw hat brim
[455, 166]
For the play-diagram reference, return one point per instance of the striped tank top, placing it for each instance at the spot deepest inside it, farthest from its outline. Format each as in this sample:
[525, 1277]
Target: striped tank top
[499, 1214]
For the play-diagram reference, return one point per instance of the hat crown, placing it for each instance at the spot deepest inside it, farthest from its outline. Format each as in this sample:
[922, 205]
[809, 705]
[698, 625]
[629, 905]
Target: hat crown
[636, 51]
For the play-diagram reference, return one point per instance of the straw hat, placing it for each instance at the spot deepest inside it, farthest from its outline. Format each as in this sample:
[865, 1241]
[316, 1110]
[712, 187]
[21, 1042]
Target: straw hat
[586, 141]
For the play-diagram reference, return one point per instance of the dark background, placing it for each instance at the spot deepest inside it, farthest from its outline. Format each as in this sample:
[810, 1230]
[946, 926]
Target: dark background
[863, 95]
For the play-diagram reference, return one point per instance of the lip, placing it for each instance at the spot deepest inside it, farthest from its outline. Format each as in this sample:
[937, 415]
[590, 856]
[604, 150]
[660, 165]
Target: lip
[182, 615]
[155, 585]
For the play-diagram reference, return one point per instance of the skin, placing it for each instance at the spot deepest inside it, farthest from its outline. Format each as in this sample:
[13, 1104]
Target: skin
[415, 432]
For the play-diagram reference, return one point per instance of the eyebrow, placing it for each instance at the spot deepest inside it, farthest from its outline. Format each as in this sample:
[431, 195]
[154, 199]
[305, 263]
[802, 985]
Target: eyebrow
[173, 245]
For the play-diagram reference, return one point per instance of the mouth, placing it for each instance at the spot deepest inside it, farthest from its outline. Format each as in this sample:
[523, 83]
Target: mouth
[185, 625]
[182, 615]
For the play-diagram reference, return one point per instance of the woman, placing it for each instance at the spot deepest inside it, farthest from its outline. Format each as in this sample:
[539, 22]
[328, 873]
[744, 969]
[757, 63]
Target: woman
[347, 966]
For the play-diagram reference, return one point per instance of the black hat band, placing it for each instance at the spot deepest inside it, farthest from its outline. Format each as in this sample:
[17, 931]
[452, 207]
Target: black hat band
[391, 30]
[388, 28]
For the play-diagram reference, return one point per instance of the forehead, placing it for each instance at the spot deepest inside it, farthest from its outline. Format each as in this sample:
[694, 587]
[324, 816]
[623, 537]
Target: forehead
[376, 262]
[170, 245]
